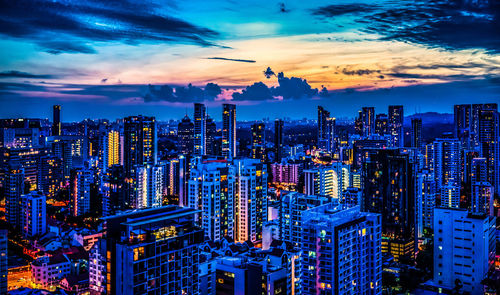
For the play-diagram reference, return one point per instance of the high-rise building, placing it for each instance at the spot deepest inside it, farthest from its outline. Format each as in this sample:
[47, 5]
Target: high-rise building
[416, 133]
[475, 120]
[341, 251]
[33, 214]
[396, 120]
[328, 181]
[323, 116]
[80, 183]
[258, 140]
[381, 124]
[149, 186]
[251, 199]
[4, 265]
[389, 189]
[229, 131]
[56, 120]
[463, 122]
[331, 135]
[212, 147]
[293, 207]
[200, 129]
[185, 133]
[464, 249]
[278, 139]
[154, 250]
[479, 170]
[482, 198]
[450, 196]
[140, 142]
[50, 175]
[490, 145]
[211, 189]
[427, 190]
[286, 174]
[446, 162]
[114, 191]
[13, 189]
[368, 119]
[113, 148]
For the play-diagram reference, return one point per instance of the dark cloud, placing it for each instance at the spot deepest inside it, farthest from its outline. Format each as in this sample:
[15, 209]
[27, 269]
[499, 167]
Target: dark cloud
[79, 23]
[359, 72]
[257, 91]
[232, 59]
[269, 73]
[18, 74]
[104, 80]
[451, 24]
[182, 94]
[283, 8]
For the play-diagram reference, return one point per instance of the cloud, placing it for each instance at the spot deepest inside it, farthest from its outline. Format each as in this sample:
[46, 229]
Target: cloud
[18, 74]
[342, 9]
[256, 91]
[182, 94]
[269, 73]
[232, 59]
[74, 25]
[359, 72]
[104, 80]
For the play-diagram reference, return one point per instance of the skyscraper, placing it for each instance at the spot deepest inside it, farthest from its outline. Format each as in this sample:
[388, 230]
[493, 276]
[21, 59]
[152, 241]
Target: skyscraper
[161, 242]
[81, 180]
[140, 142]
[368, 119]
[278, 139]
[341, 251]
[482, 198]
[446, 162]
[323, 115]
[463, 121]
[200, 129]
[34, 214]
[475, 120]
[213, 148]
[149, 186]
[258, 140]
[416, 133]
[389, 189]
[185, 133]
[396, 120]
[490, 145]
[56, 120]
[464, 249]
[14, 188]
[381, 124]
[229, 131]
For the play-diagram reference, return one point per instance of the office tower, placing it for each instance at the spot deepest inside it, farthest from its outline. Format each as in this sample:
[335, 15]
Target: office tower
[56, 120]
[427, 189]
[331, 135]
[278, 139]
[80, 183]
[185, 133]
[251, 199]
[489, 144]
[463, 121]
[114, 191]
[381, 124]
[450, 196]
[229, 131]
[211, 189]
[368, 119]
[323, 128]
[154, 250]
[140, 142]
[50, 175]
[446, 161]
[200, 129]
[351, 197]
[341, 251]
[149, 186]
[464, 249]
[258, 140]
[475, 120]
[329, 181]
[33, 214]
[293, 207]
[482, 198]
[396, 119]
[211, 141]
[286, 175]
[389, 189]
[13, 189]
[4, 266]
[416, 133]
[113, 148]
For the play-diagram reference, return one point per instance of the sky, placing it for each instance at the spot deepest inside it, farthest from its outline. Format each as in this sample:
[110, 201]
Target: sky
[273, 59]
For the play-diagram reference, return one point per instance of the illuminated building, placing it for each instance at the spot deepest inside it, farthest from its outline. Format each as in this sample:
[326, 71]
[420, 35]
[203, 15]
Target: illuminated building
[50, 175]
[81, 179]
[489, 144]
[211, 190]
[389, 189]
[33, 214]
[446, 162]
[464, 249]
[278, 139]
[154, 250]
[111, 149]
[341, 251]
[13, 189]
[416, 133]
[381, 124]
[482, 198]
[293, 207]
[368, 119]
[212, 141]
[48, 271]
[396, 119]
[329, 180]
[286, 174]
[4, 266]
[56, 120]
[149, 186]
[114, 191]
[351, 197]
[229, 131]
[140, 146]
[428, 194]
[475, 121]
[251, 199]
[185, 133]
[200, 129]
[258, 140]
[450, 196]
[463, 123]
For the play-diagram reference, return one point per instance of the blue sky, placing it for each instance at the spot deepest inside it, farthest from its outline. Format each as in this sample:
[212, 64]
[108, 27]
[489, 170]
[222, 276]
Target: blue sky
[99, 58]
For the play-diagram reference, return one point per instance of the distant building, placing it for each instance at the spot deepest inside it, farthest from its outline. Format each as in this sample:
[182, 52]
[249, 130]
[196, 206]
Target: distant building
[416, 133]
[278, 139]
[396, 120]
[34, 214]
[81, 180]
[229, 131]
[258, 140]
[185, 133]
[56, 120]
[140, 142]
[13, 189]
[200, 129]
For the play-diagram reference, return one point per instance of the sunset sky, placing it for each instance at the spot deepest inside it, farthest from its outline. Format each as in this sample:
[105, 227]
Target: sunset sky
[97, 58]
